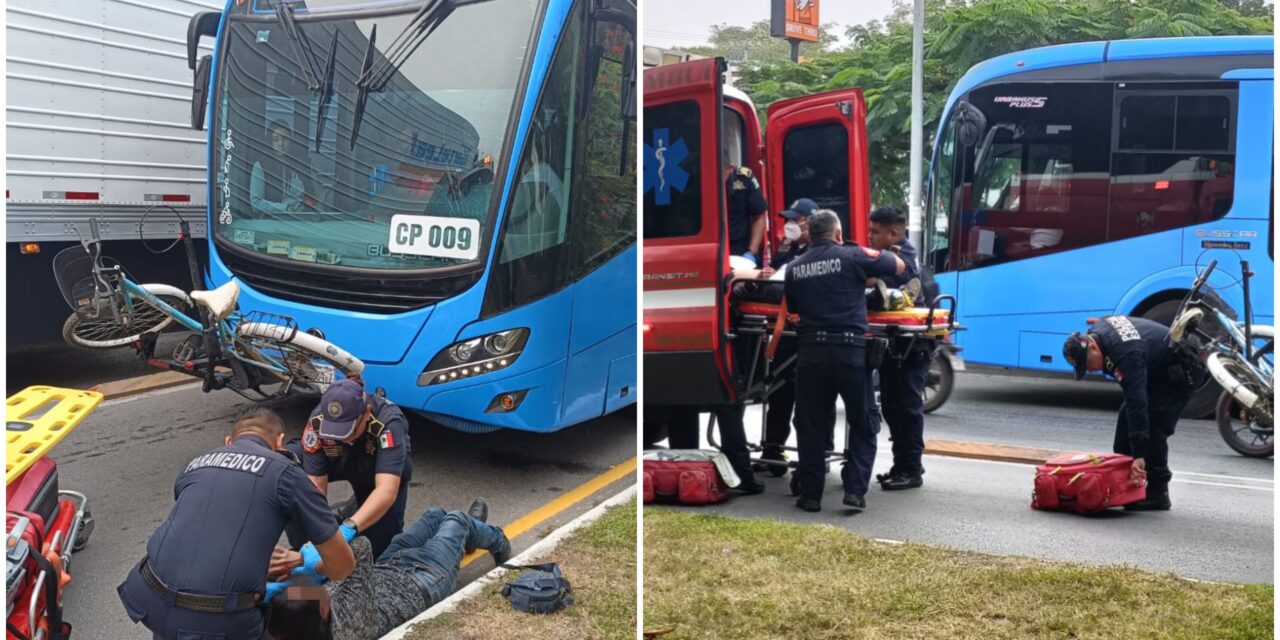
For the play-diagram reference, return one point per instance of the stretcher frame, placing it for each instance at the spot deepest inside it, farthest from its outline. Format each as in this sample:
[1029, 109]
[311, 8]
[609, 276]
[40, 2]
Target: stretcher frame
[880, 325]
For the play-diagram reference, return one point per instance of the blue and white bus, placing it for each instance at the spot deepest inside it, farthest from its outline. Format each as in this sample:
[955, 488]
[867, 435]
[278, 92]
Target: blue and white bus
[446, 188]
[1090, 179]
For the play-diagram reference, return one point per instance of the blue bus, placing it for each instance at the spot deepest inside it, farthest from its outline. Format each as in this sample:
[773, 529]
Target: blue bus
[446, 188]
[1087, 179]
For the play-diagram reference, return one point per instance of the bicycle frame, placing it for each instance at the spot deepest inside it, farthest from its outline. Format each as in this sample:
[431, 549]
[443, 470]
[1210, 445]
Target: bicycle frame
[226, 336]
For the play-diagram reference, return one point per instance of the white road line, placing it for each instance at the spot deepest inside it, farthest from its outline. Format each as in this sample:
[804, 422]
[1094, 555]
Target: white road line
[1224, 477]
[1223, 484]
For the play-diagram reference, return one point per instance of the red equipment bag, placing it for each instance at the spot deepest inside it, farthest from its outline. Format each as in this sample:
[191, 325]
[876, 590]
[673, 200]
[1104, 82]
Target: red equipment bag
[36, 490]
[683, 482]
[1085, 483]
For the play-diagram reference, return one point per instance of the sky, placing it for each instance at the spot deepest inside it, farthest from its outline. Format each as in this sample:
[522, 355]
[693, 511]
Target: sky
[675, 23]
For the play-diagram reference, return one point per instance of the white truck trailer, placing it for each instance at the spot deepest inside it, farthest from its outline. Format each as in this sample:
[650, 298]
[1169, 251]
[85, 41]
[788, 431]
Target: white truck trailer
[98, 125]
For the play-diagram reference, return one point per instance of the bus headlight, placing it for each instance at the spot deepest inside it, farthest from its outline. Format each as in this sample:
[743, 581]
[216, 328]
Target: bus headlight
[475, 356]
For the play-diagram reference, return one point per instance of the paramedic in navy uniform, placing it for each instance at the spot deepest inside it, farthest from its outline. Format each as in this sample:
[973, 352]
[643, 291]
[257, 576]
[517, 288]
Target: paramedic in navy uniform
[364, 439]
[827, 287]
[206, 567]
[1157, 385]
[746, 208]
[903, 373]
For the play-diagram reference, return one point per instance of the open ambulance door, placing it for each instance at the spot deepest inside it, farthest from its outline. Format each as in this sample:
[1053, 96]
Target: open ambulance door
[816, 148]
[686, 355]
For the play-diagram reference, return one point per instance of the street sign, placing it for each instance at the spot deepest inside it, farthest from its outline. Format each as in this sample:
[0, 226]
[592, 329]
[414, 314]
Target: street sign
[795, 20]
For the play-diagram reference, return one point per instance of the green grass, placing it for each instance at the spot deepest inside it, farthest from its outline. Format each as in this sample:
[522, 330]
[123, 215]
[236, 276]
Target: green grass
[599, 560]
[719, 577]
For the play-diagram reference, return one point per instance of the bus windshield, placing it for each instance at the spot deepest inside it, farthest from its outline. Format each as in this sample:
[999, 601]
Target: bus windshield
[293, 182]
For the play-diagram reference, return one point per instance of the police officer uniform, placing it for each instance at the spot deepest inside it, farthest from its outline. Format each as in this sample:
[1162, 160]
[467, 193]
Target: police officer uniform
[1157, 381]
[384, 448]
[827, 287]
[902, 379]
[206, 566]
[744, 203]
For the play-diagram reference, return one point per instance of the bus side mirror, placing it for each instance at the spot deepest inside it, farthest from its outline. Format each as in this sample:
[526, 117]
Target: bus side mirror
[200, 92]
[202, 24]
[970, 123]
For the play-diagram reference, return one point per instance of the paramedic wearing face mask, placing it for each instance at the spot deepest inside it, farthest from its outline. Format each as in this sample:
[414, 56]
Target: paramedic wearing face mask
[782, 401]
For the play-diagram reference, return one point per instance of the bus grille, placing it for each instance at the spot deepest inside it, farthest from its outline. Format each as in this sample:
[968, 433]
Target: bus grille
[318, 286]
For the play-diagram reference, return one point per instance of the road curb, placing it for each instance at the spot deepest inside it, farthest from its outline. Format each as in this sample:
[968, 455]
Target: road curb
[141, 384]
[991, 451]
[538, 549]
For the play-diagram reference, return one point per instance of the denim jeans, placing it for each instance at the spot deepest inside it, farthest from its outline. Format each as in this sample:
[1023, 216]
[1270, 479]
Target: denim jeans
[431, 548]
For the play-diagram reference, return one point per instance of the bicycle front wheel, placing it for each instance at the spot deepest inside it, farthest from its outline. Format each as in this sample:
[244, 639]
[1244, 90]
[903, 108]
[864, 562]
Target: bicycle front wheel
[117, 330]
[311, 362]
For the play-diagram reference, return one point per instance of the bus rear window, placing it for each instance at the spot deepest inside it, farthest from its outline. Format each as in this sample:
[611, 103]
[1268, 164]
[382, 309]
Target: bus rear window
[672, 157]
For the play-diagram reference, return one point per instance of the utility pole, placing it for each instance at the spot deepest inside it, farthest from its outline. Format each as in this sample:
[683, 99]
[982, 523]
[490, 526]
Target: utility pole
[915, 203]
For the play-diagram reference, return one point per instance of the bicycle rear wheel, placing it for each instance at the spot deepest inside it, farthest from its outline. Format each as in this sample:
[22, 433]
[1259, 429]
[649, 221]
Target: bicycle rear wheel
[106, 331]
[311, 361]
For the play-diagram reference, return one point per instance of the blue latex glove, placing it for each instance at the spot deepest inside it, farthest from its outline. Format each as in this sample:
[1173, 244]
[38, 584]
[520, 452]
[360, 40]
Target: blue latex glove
[310, 558]
[274, 589]
[348, 533]
[752, 257]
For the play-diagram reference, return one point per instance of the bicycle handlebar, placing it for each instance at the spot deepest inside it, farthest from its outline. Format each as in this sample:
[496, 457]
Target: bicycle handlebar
[1202, 278]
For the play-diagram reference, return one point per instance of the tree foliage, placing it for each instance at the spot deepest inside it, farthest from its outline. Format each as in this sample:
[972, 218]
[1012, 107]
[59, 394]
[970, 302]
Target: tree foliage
[752, 47]
[961, 33]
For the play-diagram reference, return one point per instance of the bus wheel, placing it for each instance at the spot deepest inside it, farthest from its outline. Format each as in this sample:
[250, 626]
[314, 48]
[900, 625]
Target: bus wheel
[1205, 401]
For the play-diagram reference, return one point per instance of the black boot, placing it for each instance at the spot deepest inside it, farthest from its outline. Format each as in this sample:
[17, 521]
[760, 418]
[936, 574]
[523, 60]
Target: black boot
[749, 485]
[882, 477]
[770, 453]
[1157, 499]
[900, 481]
[855, 502]
[479, 511]
[812, 506]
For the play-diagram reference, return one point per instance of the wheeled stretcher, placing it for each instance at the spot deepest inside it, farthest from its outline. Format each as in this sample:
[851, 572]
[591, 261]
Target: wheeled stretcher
[759, 317]
[44, 524]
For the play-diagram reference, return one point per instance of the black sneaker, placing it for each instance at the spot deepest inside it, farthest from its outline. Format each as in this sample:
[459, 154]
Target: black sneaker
[901, 481]
[1152, 503]
[479, 510]
[855, 502]
[812, 506]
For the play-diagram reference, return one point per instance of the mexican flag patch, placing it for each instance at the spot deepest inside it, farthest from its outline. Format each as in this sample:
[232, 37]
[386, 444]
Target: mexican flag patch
[386, 441]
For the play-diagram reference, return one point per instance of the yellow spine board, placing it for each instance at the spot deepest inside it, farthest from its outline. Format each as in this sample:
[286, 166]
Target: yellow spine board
[37, 418]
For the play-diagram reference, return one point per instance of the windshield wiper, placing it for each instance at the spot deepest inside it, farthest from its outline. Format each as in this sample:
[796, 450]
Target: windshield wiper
[301, 46]
[362, 91]
[423, 24]
[326, 94]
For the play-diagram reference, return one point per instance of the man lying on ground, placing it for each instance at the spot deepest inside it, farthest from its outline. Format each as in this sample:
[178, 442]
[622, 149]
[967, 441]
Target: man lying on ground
[418, 569]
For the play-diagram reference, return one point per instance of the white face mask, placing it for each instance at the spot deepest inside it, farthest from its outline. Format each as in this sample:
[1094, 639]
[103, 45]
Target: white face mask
[791, 230]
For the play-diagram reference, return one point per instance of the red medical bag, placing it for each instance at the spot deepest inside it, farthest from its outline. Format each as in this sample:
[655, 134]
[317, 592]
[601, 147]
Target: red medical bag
[683, 482]
[1086, 483]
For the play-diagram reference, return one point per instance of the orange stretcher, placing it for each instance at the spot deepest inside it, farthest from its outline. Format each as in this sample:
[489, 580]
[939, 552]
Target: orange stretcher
[760, 314]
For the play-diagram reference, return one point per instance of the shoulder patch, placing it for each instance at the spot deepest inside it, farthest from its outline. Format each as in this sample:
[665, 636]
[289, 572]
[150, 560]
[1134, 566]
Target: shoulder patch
[871, 253]
[1119, 375]
[744, 171]
[310, 439]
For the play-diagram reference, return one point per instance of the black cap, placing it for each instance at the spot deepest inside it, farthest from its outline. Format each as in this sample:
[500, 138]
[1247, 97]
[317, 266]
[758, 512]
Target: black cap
[1076, 351]
[801, 207]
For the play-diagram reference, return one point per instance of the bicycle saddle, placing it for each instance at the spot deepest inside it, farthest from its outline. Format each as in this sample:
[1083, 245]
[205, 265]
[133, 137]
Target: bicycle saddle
[221, 301]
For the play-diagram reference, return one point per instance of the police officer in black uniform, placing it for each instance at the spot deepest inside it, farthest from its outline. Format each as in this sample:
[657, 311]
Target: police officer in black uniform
[746, 208]
[1157, 380]
[777, 424]
[905, 369]
[827, 287]
[362, 438]
[206, 567]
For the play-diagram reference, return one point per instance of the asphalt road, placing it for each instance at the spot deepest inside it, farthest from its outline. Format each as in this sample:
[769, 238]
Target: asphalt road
[1221, 526]
[126, 455]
